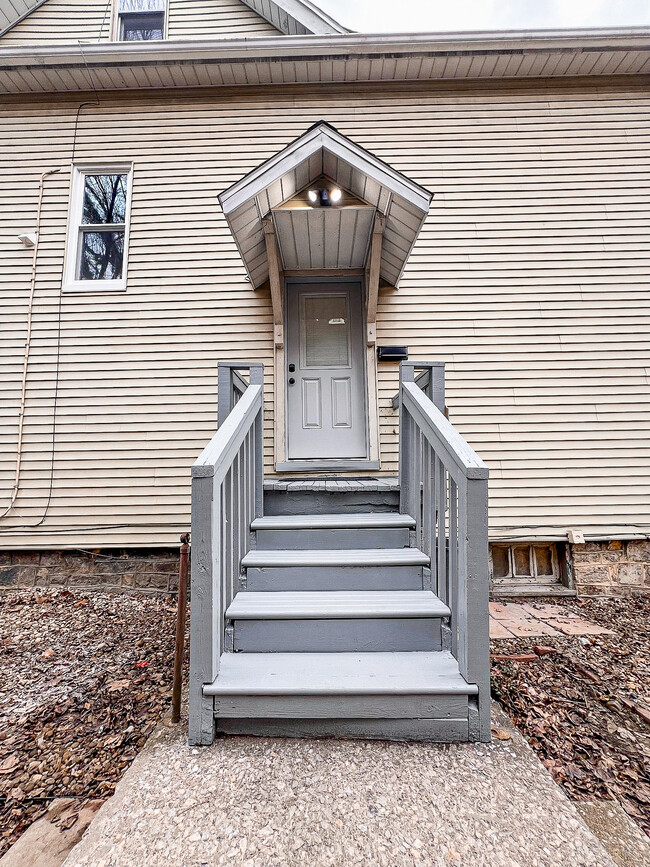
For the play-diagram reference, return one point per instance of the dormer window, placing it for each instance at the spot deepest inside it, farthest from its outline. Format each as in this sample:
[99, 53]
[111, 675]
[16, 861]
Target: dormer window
[139, 20]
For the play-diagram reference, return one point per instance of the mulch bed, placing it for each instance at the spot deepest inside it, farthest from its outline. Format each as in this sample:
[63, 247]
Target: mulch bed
[585, 707]
[85, 678]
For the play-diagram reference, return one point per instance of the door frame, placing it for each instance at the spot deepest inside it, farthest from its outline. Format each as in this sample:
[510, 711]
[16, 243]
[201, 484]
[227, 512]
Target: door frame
[369, 379]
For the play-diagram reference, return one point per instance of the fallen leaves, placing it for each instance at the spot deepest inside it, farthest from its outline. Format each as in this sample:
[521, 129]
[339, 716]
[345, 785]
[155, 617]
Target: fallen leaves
[76, 702]
[501, 734]
[585, 708]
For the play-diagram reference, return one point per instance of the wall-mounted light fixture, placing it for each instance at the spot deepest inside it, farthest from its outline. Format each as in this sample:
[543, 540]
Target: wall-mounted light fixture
[325, 198]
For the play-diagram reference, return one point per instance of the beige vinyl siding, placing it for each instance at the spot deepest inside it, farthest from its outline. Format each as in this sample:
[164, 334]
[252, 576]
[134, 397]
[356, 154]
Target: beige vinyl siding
[530, 280]
[60, 21]
[213, 19]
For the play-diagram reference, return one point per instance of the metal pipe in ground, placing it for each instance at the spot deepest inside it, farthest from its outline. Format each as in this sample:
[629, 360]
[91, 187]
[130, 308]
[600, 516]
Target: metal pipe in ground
[183, 570]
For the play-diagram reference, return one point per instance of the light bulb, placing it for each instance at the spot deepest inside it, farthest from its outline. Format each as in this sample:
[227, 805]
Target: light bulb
[313, 196]
[336, 194]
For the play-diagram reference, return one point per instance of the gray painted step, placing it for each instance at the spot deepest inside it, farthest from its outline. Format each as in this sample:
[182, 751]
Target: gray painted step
[339, 674]
[300, 532]
[443, 731]
[334, 604]
[382, 686]
[332, 522]
[407, 577]
[350, 557]
[337, 621]
[337, 635]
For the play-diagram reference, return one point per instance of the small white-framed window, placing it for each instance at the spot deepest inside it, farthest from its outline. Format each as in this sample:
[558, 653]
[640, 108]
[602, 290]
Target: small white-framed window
[140, 20]
[98, 231]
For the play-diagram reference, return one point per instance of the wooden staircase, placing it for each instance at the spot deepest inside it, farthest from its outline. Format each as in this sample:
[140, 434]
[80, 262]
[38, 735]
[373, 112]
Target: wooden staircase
[312, 618]
[335, 633]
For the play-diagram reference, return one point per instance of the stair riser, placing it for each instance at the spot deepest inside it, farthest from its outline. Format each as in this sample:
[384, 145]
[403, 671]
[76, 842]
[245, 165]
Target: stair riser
[334, 503]
[439, 731]
[337, 635]
[331, 540]
[335, 578]
[346, 707]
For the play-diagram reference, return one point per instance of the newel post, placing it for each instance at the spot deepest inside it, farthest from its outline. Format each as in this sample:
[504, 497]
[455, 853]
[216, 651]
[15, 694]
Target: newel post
[205, 640]
[406, 467]
[257, 378]
[224, 392]
[477, 630]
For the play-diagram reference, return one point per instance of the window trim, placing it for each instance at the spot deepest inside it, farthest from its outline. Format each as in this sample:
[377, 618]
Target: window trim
[116, 23]
[72, 252]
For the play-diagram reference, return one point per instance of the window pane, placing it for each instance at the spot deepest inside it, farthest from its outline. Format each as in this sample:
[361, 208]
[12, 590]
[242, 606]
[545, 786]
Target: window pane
[522, 561]
[544, 560]
[500, 563]
[102, 255]
[104, 199]
[326, 330]
[143, 27]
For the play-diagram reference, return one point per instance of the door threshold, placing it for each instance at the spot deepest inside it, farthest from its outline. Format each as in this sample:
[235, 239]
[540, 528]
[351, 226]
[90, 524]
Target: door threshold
[333, 465]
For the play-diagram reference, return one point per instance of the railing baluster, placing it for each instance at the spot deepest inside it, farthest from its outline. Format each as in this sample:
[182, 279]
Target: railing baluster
[436, 523]
[426, 499]
[453, 540]
[441, 498]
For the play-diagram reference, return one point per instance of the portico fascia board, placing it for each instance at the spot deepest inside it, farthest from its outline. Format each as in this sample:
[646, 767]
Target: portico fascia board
[323, 136]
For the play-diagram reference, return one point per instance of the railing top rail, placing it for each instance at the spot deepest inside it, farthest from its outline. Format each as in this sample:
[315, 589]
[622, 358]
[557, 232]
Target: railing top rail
[217, 456]
[453, 450]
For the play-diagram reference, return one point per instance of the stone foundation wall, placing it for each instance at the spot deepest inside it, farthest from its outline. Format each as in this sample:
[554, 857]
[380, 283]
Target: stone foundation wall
[117, 570]
[611, 568]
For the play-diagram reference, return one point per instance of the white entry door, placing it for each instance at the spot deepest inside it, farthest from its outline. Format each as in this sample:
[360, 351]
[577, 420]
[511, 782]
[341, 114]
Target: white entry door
[326, 394]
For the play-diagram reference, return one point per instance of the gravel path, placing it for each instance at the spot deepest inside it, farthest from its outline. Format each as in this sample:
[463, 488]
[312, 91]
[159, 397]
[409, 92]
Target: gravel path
[262, 802]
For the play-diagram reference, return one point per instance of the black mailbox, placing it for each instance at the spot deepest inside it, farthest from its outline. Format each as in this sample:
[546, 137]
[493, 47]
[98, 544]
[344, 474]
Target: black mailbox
[392, 353]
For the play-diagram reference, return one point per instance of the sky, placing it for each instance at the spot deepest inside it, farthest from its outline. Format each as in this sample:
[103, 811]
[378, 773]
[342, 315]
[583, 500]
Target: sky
[399, 16]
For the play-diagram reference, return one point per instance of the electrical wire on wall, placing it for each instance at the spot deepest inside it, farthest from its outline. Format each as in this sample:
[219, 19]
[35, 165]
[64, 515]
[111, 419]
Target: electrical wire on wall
[59, 317]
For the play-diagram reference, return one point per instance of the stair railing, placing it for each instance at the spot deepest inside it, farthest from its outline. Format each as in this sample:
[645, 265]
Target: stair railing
[227, 495]
[444, 486]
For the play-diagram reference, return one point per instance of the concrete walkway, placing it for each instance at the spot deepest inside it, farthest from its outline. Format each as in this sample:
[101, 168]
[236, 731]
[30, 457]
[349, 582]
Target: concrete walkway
[261, 802]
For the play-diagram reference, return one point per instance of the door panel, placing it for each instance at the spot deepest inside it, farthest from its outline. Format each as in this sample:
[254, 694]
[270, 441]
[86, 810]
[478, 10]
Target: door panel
[341, 403]
[326, 401]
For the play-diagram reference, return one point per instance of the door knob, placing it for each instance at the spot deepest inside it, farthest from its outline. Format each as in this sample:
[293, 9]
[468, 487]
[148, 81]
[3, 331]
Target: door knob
[292, 381]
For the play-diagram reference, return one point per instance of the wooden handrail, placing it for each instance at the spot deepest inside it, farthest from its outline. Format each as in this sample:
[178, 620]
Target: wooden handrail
[227, 495]
[443, 485]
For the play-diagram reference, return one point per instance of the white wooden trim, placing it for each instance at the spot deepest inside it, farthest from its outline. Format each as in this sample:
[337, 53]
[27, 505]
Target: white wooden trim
[70, 281]
[323, 136]
[115, 28]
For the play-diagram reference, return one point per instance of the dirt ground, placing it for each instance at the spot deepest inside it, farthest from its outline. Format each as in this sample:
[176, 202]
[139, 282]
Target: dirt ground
[85, 677]
[585, 707]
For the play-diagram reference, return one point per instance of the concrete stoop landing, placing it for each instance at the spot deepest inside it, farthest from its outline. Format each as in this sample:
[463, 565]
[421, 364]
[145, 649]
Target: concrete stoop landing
[266, 802]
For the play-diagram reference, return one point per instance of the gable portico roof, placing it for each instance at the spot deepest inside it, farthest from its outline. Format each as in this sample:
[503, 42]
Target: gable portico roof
[292, 17]
[323, 151]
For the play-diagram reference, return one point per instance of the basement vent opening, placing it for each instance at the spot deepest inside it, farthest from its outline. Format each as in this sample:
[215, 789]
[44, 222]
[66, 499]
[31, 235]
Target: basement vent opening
[525, 563]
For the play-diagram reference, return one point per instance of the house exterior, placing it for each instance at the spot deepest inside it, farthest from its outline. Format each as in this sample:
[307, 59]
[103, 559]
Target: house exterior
[191, 183]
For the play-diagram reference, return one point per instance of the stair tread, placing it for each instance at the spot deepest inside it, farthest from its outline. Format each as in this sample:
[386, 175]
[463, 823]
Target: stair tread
[344, 521]
[378, 673]
[335, 604]
[340, 557]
